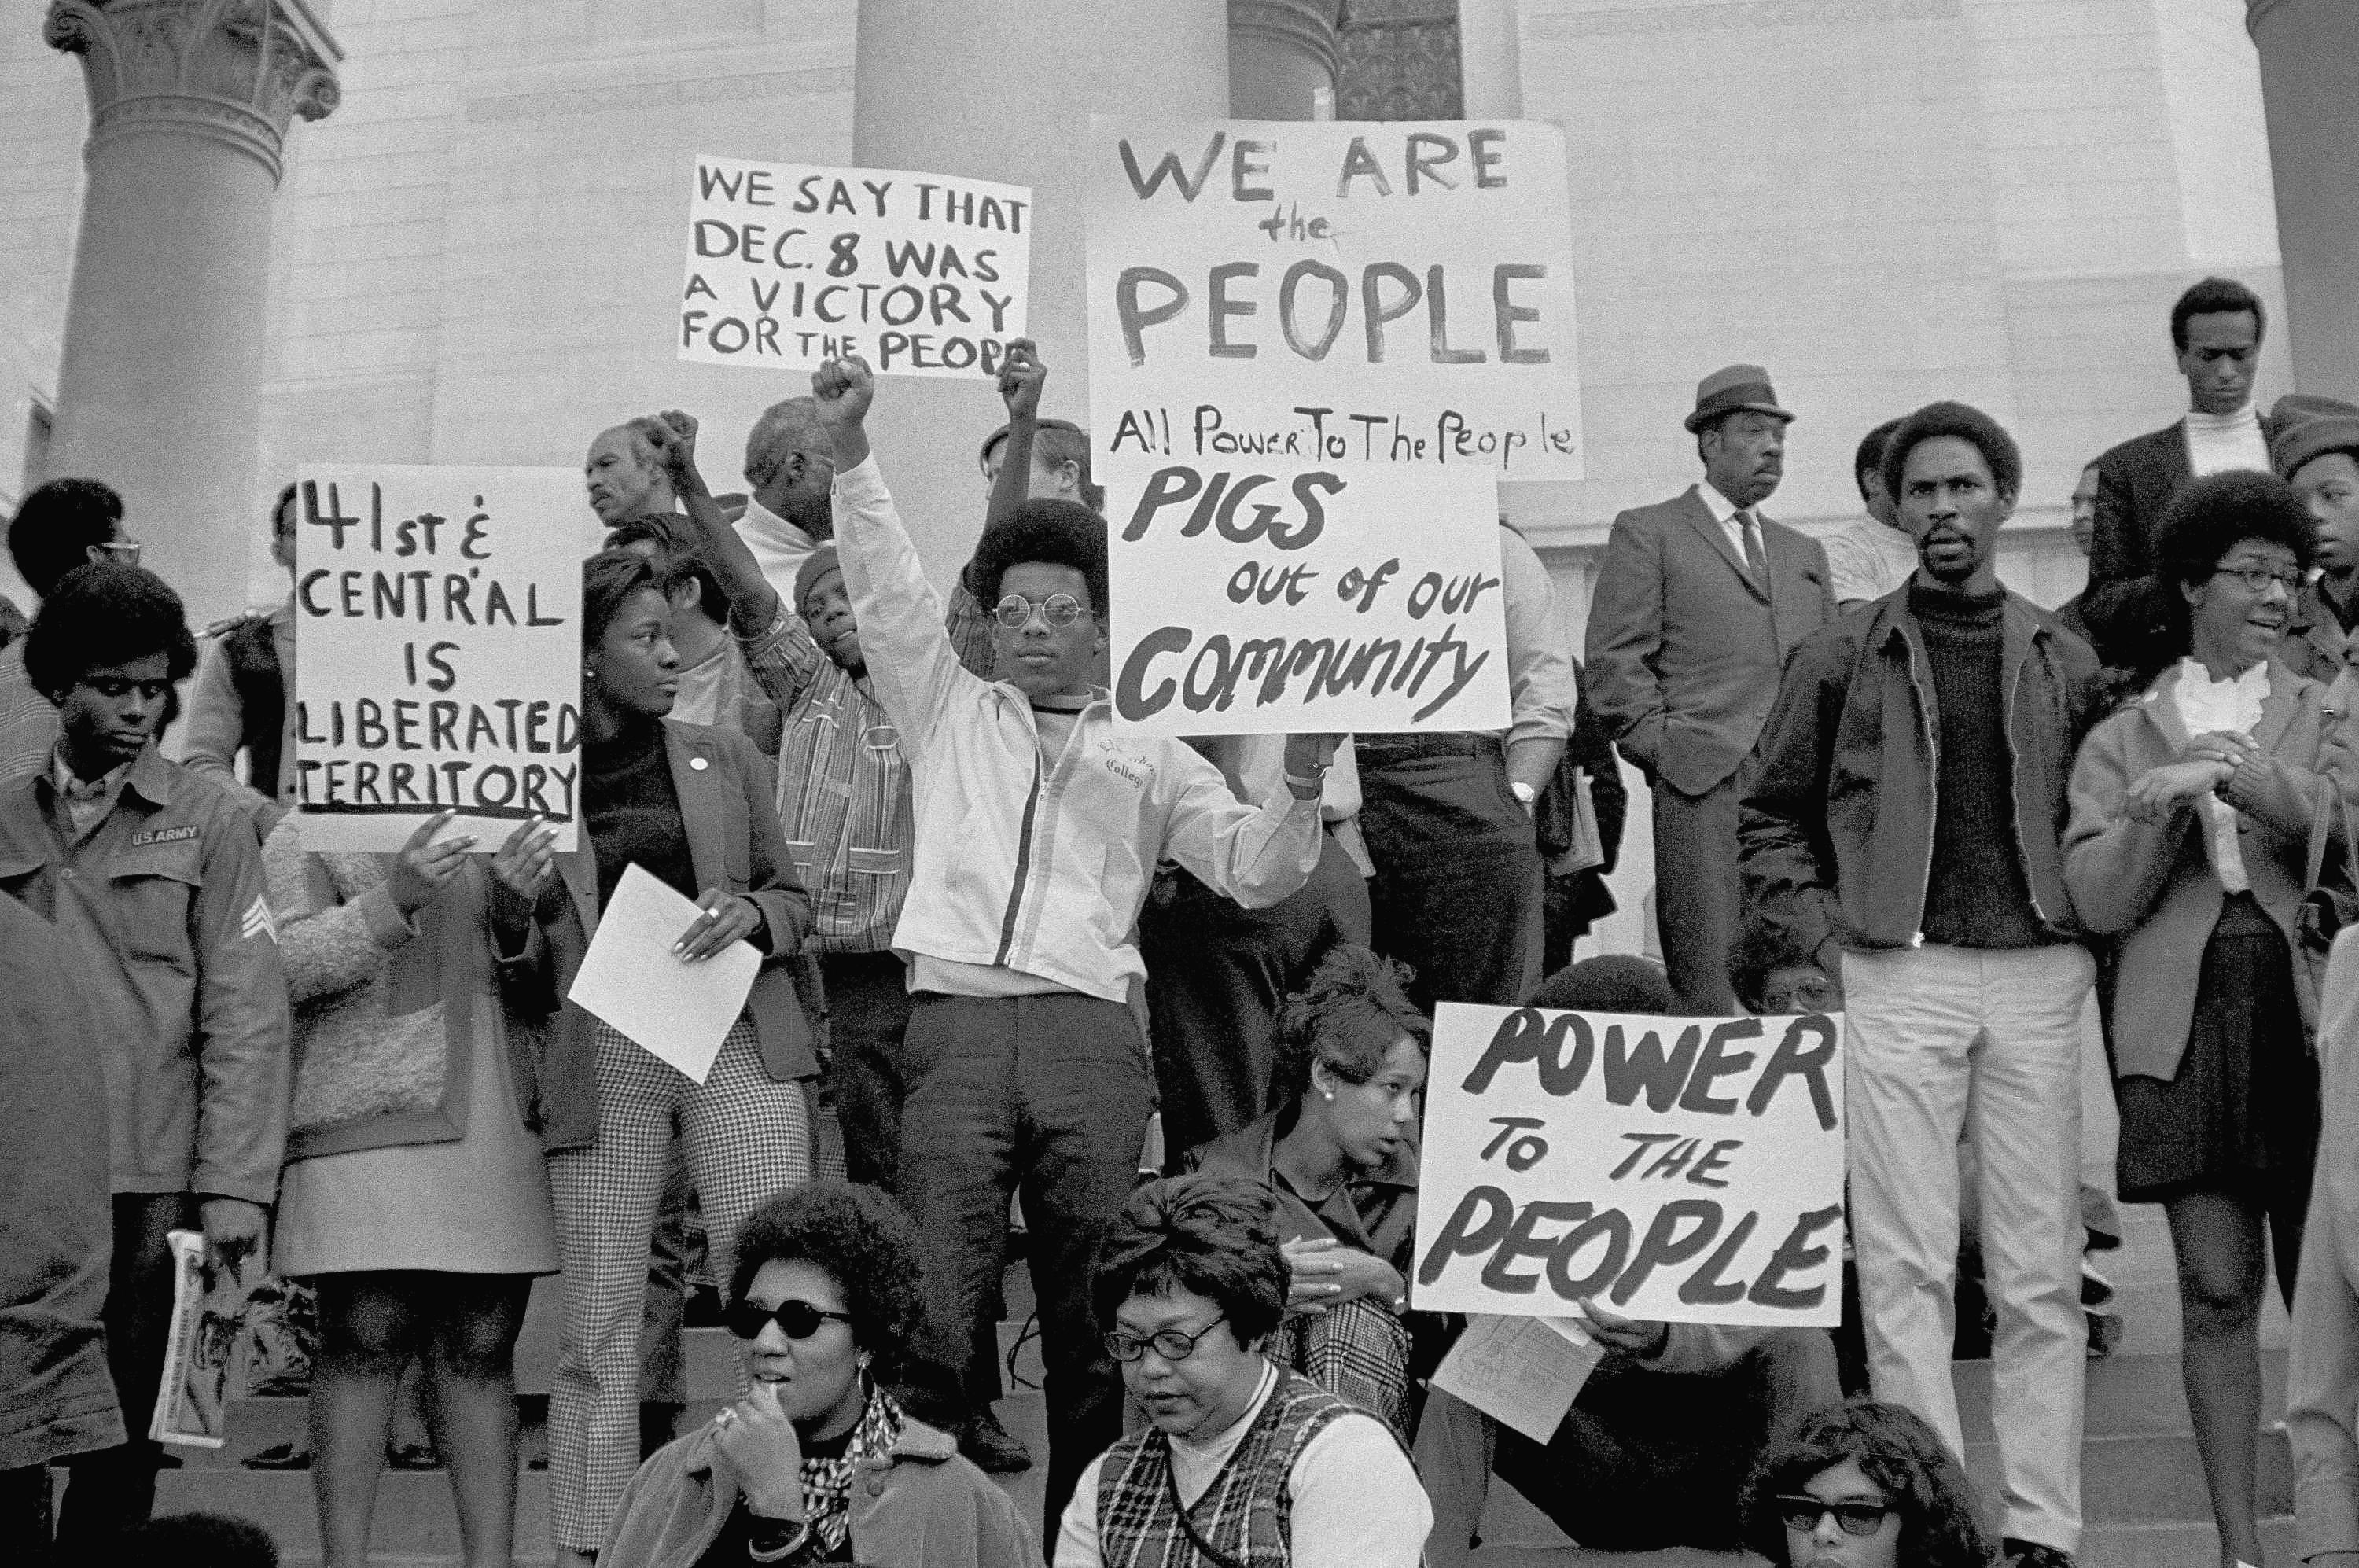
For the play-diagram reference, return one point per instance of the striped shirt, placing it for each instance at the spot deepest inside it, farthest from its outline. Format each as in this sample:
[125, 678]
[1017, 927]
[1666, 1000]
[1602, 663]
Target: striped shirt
[844, 788]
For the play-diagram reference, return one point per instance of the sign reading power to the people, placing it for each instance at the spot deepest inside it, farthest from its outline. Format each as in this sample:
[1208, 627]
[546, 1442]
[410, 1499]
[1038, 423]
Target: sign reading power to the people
[1678, 1169]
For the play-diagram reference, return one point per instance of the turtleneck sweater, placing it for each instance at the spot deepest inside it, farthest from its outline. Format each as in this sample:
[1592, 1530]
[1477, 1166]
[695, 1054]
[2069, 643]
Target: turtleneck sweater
[2218, 442]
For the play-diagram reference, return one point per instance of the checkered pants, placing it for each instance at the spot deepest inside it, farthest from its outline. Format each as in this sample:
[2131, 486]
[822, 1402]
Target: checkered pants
[747, 1139]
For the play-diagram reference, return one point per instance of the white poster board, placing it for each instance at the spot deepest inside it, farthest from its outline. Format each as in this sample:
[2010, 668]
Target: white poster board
[1334, 292]
[1261, 599]
[1678, 1170]
[790, 265]
[437, 616]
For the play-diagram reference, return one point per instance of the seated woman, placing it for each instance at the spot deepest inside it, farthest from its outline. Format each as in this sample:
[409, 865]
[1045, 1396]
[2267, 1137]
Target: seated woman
[1864, 1486]
[1242, 1462]
[1340, 1160]
[818, 1464]
[2192, 843]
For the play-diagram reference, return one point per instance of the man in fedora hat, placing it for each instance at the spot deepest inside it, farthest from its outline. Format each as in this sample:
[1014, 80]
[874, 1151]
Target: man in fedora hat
[1699, 600]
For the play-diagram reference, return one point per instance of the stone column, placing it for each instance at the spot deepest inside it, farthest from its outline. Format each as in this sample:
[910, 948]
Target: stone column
[2309, 82]
[1004, 90]
[159, 382]
[1280, 53]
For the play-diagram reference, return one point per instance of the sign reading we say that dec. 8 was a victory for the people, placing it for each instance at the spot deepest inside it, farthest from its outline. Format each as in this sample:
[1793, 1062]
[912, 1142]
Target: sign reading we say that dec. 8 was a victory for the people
[790, 266]
[1334, 292]
[439, 611]
[1678, 1170]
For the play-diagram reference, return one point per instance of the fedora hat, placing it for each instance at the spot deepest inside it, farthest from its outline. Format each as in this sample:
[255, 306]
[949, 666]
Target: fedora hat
[1735, 389]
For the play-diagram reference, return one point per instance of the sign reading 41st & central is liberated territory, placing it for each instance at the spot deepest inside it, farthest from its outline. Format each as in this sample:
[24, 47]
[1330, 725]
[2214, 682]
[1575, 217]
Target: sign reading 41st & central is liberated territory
[1334, 292]
[439, 615]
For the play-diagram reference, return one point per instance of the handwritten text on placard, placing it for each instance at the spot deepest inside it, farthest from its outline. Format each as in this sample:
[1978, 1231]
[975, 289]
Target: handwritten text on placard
[789, 266]
[439, 614]
[1682, 1169]
[1334, 292]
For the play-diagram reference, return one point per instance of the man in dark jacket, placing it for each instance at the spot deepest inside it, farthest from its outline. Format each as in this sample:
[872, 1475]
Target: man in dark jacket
[153, 876]
[1953, 939]
[2215, 333]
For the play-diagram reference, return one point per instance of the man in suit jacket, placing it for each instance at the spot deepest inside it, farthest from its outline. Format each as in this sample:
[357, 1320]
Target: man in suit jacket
[1698, 601]
[2215, 331]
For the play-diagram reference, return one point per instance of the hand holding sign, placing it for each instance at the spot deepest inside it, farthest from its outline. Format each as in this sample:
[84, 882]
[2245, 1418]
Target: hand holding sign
[522, 870]
[424, 867]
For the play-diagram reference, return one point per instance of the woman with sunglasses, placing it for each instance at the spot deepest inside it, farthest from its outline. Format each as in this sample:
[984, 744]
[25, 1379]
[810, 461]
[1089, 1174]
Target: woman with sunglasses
[1242, 1462]
[818, 1464]
[690, 805]
[2191, 845]
[1864, 1486]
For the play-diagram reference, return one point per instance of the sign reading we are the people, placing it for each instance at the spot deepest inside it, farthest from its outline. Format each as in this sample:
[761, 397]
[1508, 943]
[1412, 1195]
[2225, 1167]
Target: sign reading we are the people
[1253, 599]
[1678, 1169]
[1334, 292]
[792, 265]
[439, 618]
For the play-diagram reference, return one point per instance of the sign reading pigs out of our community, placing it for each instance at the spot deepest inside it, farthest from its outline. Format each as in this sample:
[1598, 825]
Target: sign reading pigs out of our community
[1680, 1170]
[1334, 292]
[791, 265]
[1255, 598]
[439, 613]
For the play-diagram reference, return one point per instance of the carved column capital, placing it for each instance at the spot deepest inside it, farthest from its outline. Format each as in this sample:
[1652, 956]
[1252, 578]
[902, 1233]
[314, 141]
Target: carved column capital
[1314, 26]
[235, 70]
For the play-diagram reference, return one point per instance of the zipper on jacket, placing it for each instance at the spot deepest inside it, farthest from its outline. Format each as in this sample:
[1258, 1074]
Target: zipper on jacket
[2014, 755]
[1932, 793]
[1023, 864]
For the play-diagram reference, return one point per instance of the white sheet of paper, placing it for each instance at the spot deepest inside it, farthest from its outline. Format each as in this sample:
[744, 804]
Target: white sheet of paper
[631, 978]
[1525, 1372]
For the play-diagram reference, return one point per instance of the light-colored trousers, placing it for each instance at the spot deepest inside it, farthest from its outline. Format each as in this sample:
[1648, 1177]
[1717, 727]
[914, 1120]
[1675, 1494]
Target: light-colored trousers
[748, 1137]
[1945, 1043]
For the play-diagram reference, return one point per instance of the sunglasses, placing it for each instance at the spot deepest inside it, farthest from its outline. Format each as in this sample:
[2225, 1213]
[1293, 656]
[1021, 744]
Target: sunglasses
[795, 1320]
[1015, 612]
[1803, 1513]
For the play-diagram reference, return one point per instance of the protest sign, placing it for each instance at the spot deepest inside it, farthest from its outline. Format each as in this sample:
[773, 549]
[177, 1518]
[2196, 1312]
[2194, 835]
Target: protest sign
[1255, 598]
[1334, 292]
[1680, 1170]
[438, 616]
[790, 265]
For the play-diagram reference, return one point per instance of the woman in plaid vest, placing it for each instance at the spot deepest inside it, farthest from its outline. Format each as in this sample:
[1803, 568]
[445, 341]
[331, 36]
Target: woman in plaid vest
[1244, 1464]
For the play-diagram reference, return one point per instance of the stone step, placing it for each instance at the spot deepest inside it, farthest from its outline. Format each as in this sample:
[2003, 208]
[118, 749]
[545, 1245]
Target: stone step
[2128, 1395]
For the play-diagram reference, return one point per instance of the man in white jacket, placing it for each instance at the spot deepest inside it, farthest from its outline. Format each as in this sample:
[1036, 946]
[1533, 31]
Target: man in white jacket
[1038, 827]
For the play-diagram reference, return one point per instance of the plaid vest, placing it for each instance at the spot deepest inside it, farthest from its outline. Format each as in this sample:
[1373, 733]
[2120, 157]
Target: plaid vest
[1247, 1514]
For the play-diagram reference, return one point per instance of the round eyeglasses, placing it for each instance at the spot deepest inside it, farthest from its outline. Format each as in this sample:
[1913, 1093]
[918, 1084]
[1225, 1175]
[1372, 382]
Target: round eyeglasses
[1059, 610]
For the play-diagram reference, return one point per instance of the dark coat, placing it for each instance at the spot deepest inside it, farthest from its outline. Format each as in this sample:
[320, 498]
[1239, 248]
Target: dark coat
[1837, 830]
[57, 1230]
[1685, 647]
[2129, 610]
[726, 805]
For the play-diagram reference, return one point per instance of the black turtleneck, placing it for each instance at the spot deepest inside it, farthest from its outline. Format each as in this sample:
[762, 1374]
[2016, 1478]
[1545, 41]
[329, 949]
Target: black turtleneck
[632, 808]
[1976, 895]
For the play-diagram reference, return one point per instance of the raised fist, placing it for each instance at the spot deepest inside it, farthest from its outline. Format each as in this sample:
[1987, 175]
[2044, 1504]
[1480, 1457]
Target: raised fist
[844, 388]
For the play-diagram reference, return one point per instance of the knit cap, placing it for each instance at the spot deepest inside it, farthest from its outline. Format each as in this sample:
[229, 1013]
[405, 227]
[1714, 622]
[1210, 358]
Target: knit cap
[2304, 426]
[816, 565]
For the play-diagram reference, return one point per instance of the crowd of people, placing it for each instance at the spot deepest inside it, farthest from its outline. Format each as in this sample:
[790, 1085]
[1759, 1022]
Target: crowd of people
[2060, 870]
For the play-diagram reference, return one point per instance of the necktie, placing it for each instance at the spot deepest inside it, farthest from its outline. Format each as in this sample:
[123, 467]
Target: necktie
[1756, 560]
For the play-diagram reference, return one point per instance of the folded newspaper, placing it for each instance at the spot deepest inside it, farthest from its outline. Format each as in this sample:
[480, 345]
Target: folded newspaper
[207, 1355]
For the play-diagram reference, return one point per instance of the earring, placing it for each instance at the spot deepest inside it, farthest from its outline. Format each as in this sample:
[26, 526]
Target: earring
[1328, 1095]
